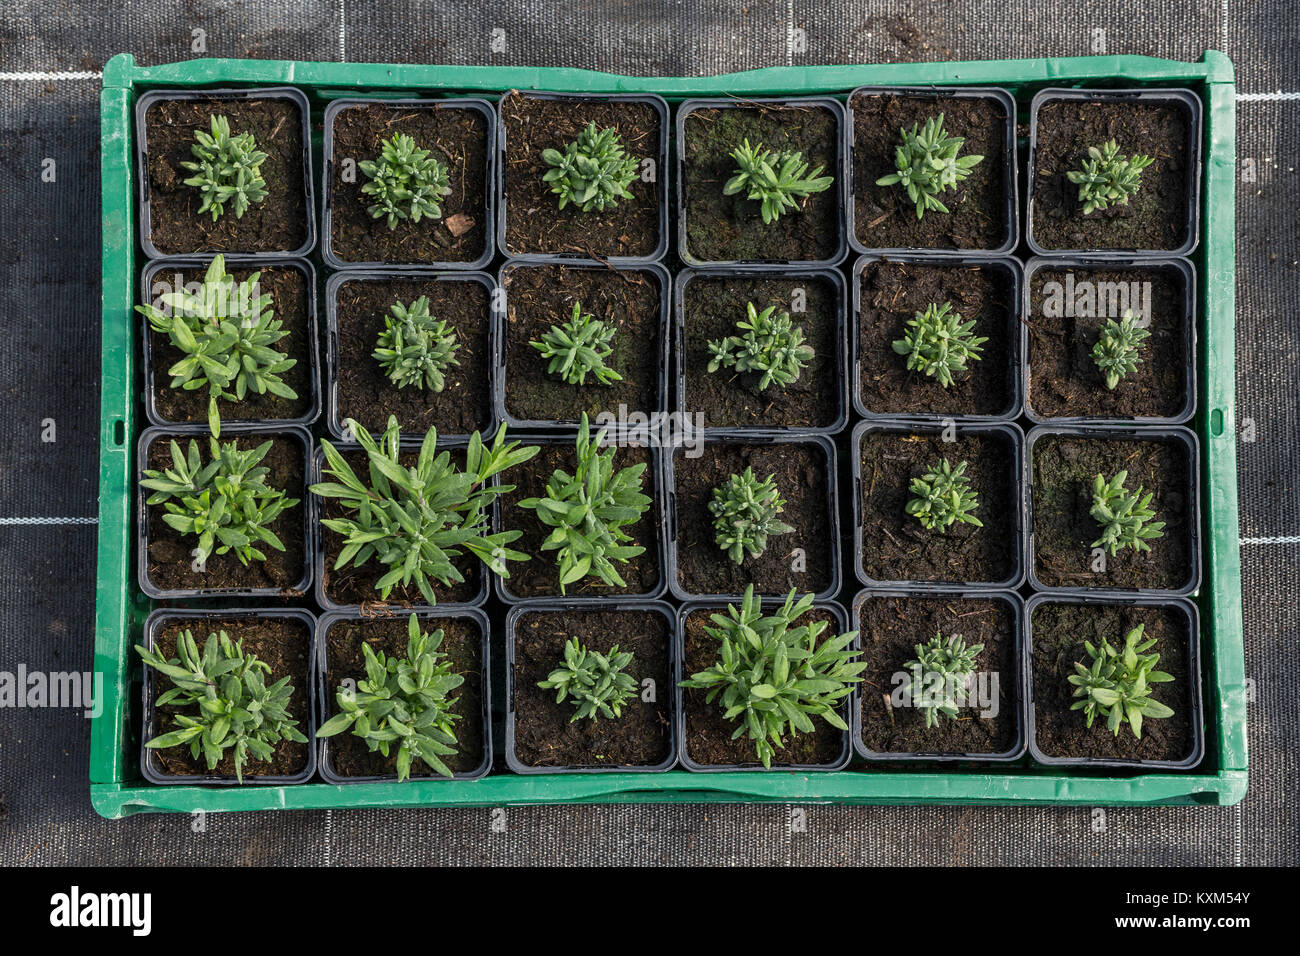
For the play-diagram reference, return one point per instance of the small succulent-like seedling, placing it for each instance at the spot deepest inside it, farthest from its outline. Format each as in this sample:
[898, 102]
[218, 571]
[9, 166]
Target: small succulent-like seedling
[769, 344]
[593, 172]
[771, 677]
[942, 496]
[227, 169]
[590, 511]
[939, 343]
[578, 348]
[598, 683]
[1107, 177]
[406, 701]
[414, 520]
[927, 163]
[744, 513]
[234, 708]
[1116, 353]
[415, 348]
[942, 667]
[226, 503]
[406, 182]
[1125, 518]
[1117, 683]
[778, 181]
[225, 333]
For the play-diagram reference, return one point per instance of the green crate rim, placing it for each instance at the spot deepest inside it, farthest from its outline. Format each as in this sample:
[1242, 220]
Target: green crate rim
[1220, 598]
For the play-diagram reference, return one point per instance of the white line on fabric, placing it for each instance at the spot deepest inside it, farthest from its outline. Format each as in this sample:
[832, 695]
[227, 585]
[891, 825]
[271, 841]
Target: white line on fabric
[343, 33]
[1223, 45]
[1264, 97]
[42, 520]
[329, 830]
[39, 77]
[789, 33]
[1287, 539]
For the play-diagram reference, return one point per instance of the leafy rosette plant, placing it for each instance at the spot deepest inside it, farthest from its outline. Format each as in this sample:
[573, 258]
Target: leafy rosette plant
[593, 172]
[227, 169]
[772, 677]
[941, 673]
[778, 181]
[598, 684]
[770, 345]
[1118, 349]
[1117, 684]
[406, 182]
[1107, 177]
[938, 343]
[1124, 516]
[745, 513]
[927, 163]
[578, 348]
[942, 496]
[414, 520]
[415, 348]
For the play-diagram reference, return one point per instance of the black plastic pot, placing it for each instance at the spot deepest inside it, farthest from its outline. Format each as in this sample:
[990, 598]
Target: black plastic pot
[480, 106]
[1184, 100]
[1008, 431]
[1011, 268]
[1182, 437]
[659, 104]
[833, 276]
[252, 433]
[1197, 721]
[1011, 230]
[501, 585]
[821, 442]
[683, 732]
[179, 265]
[307, 723]
[1016, 610]
[322, 569]
[543, 606]
[688, 106]
[142, 166]
[325, 705]
[1186, 276]
[501, 353]
[333, 420]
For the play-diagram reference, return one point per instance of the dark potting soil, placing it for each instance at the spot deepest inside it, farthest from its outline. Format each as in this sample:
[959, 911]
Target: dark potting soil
[883, 216]
[539, 297]
[890, 629]
[366, 394]
[895, 547]
[730, 228]
[353, 585]
[708, 734]
[534, 223]
[539, 576]
[891, 294]
[1058, 633]
[276, 224]
[546, 734]
[713, 306]
[350, 756]
[1064, 467]
[171, 556]
[1155, 218]
[1064, 379]
[456, 137]
[799, 470]
[284, 644]
[289, 301]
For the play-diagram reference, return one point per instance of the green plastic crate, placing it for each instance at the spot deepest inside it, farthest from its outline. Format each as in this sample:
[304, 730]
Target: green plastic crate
[116, 788]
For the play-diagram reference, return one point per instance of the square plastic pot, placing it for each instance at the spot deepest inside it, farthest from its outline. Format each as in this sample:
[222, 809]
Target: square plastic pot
[429, 618]
[1010, 174]
[307, 722]
[485, 214]
[543, 606]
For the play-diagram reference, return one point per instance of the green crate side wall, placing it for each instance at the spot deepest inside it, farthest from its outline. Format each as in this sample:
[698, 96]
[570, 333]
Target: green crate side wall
[118, 612]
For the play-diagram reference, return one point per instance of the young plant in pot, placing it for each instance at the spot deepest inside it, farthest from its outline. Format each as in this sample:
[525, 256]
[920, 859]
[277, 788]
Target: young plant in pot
[938, 505]
[407, 183]
[404, 696]
[410, 524]
[937, 338]
[227, 697]
[767, 686]
[1114, 172]
[411, 346]
[758, 181]
[761, 351]
[942, 680]
[225, 171]
[590, 688]
[581, 339]
[582, 176]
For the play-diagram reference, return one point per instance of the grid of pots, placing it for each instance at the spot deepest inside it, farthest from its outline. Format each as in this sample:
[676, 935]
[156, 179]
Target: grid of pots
[842, 442]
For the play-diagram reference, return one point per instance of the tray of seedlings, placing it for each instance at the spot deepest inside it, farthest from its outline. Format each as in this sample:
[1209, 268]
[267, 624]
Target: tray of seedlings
[842, 434]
